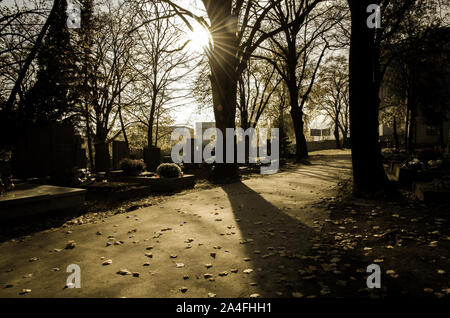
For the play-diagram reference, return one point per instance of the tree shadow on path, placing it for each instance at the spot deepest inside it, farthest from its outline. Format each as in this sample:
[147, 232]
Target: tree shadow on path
[275, 242]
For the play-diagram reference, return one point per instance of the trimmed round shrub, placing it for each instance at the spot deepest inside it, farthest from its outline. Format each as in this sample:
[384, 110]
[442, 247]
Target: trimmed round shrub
[132, 167]
[168, 170]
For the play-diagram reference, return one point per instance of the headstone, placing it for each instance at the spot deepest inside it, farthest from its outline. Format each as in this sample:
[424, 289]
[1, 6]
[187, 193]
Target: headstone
[152, 158]
[119, 151]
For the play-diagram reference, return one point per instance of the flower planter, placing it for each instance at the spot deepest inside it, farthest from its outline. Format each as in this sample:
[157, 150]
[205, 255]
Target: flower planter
[172, 184]
[156, 183]
[116, 191]
[118, 176]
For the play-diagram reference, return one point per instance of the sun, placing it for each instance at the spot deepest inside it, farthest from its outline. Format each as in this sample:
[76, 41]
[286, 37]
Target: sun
[199, 37]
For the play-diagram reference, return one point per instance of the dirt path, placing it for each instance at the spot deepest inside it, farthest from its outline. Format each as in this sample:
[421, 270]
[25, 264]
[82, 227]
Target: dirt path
[237, 240]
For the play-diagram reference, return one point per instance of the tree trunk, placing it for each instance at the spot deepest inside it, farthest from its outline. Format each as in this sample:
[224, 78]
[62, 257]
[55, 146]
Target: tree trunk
[244, 119]
[157, 128]
[122, 125]
[301, 149]
[102, 156]
[368, 172]
[86, 43]
[89, 138]
[344, 132]
[412, 128]
[396, 141]
[336, 135]
[151, 121]
[345, 142]
[224, 79]
[150, 135]
[406, 128]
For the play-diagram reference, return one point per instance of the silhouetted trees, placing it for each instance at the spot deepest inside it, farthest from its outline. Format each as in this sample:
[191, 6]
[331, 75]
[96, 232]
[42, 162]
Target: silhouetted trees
[331, 97]
[297, 52]
[56, 91]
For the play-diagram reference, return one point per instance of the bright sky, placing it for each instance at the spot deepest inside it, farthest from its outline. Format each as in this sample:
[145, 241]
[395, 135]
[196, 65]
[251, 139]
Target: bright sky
[189, 114]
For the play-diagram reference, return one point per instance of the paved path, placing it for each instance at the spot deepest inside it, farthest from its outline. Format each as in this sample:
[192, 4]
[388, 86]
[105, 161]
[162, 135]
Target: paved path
[265, 224]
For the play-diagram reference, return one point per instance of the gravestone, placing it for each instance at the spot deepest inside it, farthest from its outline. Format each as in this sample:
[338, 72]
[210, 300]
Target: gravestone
[120, 151]
[152, 158]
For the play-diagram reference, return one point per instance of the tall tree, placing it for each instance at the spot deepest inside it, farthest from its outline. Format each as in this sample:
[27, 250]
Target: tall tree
[331, 96]
[31, 56]
[55, 92]
[163, 61]
[112, 58]
[370, 55]
[237, 29]
[85, 45]
[257, 85]
[297, 54]
[368, 171]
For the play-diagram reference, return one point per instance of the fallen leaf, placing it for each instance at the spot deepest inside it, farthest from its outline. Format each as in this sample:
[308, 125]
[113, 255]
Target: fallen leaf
[183, 289]
[71, 245]
[107, 262]
[124, 272]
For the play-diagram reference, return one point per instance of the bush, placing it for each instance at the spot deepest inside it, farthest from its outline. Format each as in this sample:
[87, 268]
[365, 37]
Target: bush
[132, 167]
[169, 170]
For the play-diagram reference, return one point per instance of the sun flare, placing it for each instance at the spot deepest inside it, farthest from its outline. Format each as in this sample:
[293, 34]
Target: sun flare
[200, 37]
